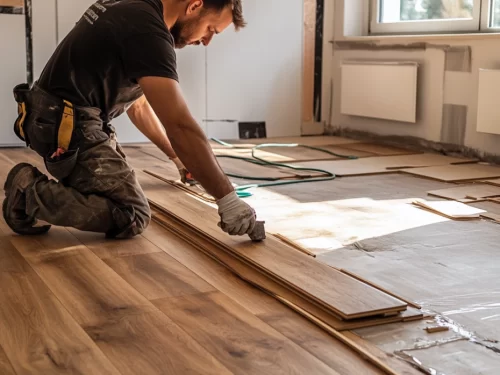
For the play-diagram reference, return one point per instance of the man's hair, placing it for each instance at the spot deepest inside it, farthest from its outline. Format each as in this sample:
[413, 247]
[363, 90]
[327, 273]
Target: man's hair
[236, 5]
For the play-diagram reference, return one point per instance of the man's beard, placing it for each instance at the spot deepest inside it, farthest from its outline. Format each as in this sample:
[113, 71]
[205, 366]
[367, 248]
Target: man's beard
[182, 31]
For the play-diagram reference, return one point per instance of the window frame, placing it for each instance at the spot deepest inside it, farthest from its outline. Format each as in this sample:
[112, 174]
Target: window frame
[479, 23]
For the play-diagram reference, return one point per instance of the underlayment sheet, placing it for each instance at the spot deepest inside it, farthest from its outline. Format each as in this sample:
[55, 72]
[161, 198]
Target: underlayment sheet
[383, 164]
[457, 358]
[456, 173]
[468, 193]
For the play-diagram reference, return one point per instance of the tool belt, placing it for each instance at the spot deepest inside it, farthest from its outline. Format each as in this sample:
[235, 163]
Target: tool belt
[64, 125]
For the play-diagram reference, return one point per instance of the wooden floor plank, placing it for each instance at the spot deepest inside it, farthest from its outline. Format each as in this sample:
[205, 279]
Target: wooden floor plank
[457, 173]
[106, 248]
[319, 343]
[158, 276]
[132, 333]
[348, 297]
[214, 273]
[242, 342]
[379, 149]
[37, 333]
[5, 366]
[310, 141]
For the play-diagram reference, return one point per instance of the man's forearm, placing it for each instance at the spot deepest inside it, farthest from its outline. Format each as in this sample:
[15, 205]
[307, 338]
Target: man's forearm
[144, 118]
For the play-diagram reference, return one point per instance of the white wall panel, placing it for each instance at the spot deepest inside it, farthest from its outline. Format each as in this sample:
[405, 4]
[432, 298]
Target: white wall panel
[44, 33]
[13, 72]
[256, 73]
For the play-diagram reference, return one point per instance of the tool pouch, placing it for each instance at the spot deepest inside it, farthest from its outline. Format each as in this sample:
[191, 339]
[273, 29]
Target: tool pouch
[20, 95]
[61, 166]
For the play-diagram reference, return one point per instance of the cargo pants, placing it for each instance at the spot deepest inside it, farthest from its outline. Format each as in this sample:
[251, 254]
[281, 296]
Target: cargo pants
[96, 189]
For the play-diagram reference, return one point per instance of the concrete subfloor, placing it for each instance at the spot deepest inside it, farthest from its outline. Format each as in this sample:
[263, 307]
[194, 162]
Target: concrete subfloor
[368, 226]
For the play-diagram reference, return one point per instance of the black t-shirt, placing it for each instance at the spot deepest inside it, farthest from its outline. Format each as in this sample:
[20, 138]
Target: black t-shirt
[115, 43]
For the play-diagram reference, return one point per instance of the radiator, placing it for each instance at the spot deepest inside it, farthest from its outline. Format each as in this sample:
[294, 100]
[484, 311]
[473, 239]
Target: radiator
[384, 90]
[488, 108]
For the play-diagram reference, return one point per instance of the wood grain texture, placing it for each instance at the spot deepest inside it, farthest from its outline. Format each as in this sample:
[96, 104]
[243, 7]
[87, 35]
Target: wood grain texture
[105, 248]
[5, 366]
[399, 365]
[239, 340]
[319, 343]
[37, 333]
[345, 296]
[211, 271]
[132, 333]
[383, 164]
[251, 275]
[310, 141]
[457, 173]
[158, 276]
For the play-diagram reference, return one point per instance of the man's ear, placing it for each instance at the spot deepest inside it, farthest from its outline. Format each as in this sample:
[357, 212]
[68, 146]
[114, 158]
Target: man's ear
[194, 6]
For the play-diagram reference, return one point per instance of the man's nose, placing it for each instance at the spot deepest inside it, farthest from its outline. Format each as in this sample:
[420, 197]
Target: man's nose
[206, 40]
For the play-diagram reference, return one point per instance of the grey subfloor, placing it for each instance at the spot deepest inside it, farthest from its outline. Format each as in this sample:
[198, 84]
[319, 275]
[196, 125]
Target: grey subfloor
[451, 268]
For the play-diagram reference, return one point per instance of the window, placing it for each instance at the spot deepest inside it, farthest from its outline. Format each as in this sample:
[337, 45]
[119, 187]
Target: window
[434, 16]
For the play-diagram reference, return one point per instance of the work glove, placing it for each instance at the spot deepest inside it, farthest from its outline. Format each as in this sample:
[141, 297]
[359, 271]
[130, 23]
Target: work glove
[186, 177]
[237, 217]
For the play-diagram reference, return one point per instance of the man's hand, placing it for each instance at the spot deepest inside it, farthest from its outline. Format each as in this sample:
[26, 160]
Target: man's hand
[237, 217]
[183, 172]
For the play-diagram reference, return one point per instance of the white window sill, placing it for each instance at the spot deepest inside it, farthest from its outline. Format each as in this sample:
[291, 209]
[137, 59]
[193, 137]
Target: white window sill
[419, 37]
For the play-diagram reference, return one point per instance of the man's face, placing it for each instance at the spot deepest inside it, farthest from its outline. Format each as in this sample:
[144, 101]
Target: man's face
[199, 25]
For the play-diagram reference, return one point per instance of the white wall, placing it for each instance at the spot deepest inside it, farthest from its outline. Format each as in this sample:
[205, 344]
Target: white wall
[256, 73]
[13, 72]
[437, 86]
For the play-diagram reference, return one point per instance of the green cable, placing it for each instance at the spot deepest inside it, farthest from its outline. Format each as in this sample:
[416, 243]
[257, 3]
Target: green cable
[277, 181]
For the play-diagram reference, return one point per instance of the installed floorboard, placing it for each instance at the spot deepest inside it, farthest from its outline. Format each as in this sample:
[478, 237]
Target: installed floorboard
[5, 366]
[132, 333]
[383, 164]
[349, 298]
[318, 343]
[158, 276]
[105, 248]
[215, 274]
[238, 339]
[37, 333]
[457, 173]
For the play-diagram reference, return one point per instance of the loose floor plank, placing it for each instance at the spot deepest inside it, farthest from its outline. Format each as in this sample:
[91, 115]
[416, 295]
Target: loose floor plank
[239, 340]
[308, 336]
[471, 193]
[399, 365]
[37, 333]
[450, 209]
[380, 150]
[132, 333]
[309, 141]
[495, 182]
[158, 276]
[347, 297]
[384, 164]
[457, 173]
[266, 284]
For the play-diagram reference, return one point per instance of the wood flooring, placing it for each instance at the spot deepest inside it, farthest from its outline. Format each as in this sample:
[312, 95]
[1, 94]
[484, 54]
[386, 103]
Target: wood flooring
[75, 303]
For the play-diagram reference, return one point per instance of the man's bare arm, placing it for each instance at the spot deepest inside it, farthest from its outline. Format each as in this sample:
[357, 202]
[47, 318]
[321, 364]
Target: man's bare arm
[145, 119]
[187, 138]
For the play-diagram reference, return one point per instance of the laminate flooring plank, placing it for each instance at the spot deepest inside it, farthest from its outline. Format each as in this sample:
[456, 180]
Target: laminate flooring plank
[310, 141]
[348, 297]
[379, 149]
[319, 343]
[384, 164]
[37, 333]
[271, 287]
[495, 182]
[158, 275]
[105, 248]
[212, 272]
[132, 333]
[398, 365]
[238, 339]
[5, 366]
[474, 192]
[457, 173]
